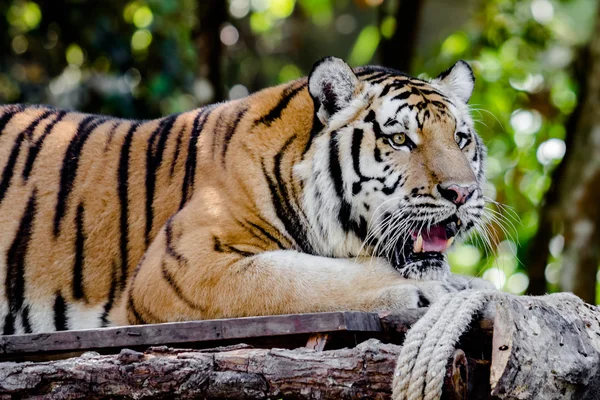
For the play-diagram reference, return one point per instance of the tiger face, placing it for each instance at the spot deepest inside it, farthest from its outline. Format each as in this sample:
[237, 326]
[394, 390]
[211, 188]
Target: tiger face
[404, 171]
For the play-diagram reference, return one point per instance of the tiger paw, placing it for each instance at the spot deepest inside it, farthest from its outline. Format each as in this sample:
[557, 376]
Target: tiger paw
[413, 294]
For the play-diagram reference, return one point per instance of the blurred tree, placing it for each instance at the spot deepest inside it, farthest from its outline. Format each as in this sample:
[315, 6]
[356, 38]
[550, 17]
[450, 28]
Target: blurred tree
[125, 58]
[397, 50]
[572, 203]
[212, 15]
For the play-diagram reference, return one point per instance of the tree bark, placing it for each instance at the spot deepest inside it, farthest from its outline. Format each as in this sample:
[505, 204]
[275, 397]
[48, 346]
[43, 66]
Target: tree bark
[212, 15]
[572, 201]
[239, 373]
[398, 51]
[546, 348]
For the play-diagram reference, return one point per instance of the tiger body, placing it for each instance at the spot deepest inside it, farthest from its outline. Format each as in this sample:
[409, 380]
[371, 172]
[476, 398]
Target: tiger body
[248, 207]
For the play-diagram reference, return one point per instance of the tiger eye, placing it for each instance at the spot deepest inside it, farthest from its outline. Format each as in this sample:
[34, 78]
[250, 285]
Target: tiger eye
[399, 139]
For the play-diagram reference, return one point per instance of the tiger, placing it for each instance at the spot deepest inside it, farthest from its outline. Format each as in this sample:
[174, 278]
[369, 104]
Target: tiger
[338, 191]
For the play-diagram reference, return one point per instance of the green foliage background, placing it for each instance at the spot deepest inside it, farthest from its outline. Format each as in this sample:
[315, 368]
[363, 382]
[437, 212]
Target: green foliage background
[143, 59]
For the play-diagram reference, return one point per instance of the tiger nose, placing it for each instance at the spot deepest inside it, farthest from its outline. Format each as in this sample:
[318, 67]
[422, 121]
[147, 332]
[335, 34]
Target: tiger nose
[457, 194]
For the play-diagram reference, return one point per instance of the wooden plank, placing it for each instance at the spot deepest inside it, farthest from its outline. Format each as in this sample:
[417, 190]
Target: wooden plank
[188, 332]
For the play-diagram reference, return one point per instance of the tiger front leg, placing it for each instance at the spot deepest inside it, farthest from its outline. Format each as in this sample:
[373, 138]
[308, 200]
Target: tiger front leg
[183, 277]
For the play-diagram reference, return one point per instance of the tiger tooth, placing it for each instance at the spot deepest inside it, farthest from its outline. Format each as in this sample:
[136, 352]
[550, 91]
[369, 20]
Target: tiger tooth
[418, 246]
[449, 242]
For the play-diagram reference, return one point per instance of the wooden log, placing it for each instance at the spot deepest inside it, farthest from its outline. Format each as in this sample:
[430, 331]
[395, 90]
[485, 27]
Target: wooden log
[546, 348]
[227, 373]
[457, 376]
[399, 322]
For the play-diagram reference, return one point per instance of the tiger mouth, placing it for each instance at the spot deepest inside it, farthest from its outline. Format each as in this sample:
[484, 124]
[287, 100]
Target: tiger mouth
[427, 246]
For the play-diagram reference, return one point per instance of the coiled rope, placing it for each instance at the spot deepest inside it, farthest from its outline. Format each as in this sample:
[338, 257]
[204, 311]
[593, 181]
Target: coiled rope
[421, 366]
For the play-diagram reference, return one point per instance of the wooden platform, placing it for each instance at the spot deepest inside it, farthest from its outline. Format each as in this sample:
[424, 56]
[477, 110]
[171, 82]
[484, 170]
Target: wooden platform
[283, 356]
[286, 331]
[226, 357]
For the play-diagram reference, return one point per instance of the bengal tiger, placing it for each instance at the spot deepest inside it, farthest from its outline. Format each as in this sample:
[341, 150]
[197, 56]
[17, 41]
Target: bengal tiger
[340, 191]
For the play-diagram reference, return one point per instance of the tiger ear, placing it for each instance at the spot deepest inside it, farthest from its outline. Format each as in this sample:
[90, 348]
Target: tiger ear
[332, 85]
[458, 80]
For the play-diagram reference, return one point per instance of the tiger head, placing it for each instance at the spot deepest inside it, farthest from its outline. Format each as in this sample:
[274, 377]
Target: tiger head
[394, 167]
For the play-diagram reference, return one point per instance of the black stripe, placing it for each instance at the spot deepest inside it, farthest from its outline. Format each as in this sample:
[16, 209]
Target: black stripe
[364, 71]
[357, 137]
[370, 116]
[401, 107]
[280, 199]
[168, 276]
[9, 168]
[216, 131]
[112, 292]
[360, 228]
[379, 80]
[78, 291]
[177, 150]
[282, 234]
[403, 96]
[9, 324]
[169, 243]
[16, 258]
[376, 129]
[295, 212]
[228, 134]
[225, 248]
[31, 128]
[335, 169]
[386, 90]
[25, 319]
[288, 94]
[316, 130]
[60, 313]
[111, 134]
[427, 92]
[135, 310]
[438, 104]
[35, 148]
[7, 116]
[388, 190]
[190, 163]
[345, 211]
[138, 317]
[122, 185]
[268, 235]
[373, 74]
[68, 171]
[356, 142]
[154, 156]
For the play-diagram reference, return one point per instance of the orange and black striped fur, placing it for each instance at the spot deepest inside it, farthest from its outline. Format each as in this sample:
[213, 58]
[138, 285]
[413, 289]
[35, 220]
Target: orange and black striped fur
[299, 198]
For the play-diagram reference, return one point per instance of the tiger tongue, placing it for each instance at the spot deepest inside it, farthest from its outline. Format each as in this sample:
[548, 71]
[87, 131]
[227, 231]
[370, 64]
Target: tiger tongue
[434, 239]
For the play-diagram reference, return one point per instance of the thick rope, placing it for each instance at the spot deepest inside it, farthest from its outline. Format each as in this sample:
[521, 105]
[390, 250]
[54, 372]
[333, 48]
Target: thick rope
[430, 342]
